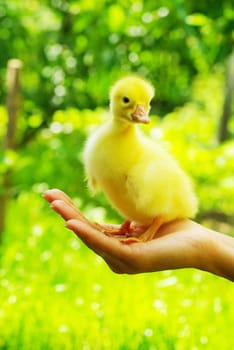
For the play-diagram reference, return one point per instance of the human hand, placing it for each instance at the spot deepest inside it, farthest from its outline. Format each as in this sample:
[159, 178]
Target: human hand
[177, 244]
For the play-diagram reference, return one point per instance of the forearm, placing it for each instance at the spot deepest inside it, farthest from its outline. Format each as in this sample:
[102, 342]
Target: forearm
[194, 245]
[218, 254]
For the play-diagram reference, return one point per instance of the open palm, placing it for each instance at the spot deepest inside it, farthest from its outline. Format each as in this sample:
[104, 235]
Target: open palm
[175, 245]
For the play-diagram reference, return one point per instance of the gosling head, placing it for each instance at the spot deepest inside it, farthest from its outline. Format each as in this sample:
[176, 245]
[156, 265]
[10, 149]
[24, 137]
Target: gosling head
[130, 99]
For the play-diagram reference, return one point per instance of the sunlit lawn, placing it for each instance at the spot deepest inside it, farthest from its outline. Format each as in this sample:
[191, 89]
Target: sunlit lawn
[55, 294]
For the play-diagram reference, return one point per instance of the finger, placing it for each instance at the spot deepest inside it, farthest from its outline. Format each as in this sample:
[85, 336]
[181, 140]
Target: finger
[65, 210]
[68, 212]
[99, 242]
[63, 205]
[117, 260]
[56, 194]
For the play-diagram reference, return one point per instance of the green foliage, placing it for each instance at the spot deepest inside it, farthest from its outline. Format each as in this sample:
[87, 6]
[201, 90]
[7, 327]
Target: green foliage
[54, 158]
[55, 294]
[192, 132]
[72, 50]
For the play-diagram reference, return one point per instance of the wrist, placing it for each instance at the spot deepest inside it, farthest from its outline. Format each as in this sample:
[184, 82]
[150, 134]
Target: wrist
[201, 244]
[217, 254]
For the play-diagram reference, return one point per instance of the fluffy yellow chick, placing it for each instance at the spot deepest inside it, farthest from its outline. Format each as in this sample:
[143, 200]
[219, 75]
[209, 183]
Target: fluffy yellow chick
[139, 178]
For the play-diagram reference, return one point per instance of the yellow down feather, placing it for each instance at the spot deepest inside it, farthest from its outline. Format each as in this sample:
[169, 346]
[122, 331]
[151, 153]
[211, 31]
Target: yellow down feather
[139, 178]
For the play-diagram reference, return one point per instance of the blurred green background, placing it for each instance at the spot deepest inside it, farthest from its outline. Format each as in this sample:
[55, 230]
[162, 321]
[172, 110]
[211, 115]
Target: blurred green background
[54, 293]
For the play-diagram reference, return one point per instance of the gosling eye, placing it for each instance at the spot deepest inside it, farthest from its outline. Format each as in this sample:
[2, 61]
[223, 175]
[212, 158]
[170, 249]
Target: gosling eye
[126, 99]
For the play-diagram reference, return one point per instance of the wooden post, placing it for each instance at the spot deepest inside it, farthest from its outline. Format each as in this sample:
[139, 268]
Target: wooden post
[13, 100]
[13, 104]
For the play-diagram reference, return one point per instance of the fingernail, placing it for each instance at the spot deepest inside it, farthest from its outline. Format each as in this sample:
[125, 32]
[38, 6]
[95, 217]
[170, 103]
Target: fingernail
[52, 206]
[67, 226]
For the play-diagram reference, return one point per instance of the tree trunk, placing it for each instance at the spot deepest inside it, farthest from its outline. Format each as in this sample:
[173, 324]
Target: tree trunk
[227, 106]
[13, 103]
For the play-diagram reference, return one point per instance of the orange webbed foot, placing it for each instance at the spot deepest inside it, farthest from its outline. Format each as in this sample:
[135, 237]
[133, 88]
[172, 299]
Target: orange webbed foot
[152, 230]
[116, 230]
[130, 232]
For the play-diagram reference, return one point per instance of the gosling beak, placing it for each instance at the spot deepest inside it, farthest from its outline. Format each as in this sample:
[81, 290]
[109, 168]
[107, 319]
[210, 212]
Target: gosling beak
[140, 115]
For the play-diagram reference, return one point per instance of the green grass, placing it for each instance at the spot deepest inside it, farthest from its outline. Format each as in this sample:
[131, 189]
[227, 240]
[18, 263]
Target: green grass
[56, 294]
